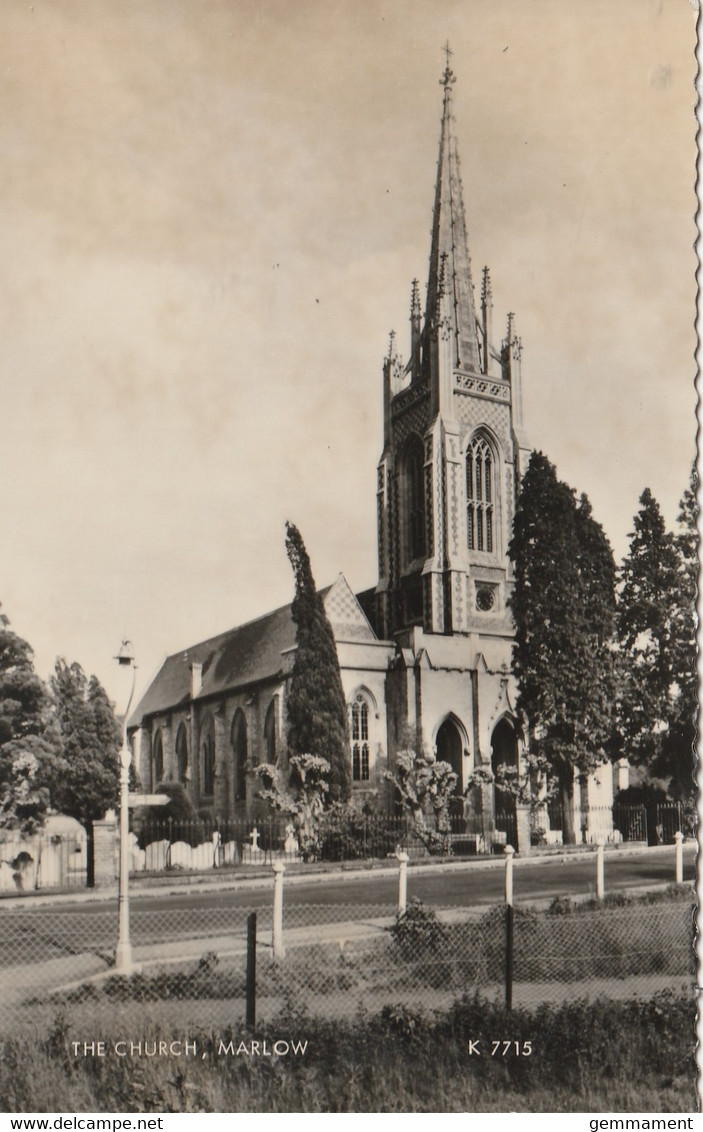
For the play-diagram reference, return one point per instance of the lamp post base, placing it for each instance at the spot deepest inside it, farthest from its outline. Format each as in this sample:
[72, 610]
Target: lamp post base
[123, 958]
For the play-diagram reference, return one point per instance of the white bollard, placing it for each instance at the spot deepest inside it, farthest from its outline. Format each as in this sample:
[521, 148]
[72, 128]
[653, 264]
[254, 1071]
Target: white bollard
[278, 870]
[678, 838]
[402, 882]
[509, 854]
[600, 869]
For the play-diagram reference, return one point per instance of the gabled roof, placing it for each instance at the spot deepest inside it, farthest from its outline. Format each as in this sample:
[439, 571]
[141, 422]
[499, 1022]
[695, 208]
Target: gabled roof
[249, 654]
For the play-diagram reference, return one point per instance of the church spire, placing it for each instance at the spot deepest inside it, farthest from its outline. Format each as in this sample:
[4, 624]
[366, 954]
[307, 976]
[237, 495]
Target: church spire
[450, 244]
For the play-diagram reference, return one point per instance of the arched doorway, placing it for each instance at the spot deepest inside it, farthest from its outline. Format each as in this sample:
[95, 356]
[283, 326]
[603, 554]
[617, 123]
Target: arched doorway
[504, 755]
[450, 749]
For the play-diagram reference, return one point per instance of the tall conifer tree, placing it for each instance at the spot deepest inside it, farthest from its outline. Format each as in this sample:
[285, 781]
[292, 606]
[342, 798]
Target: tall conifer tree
[647, 603]
[563, 606]
[657, 631]
[317, 710]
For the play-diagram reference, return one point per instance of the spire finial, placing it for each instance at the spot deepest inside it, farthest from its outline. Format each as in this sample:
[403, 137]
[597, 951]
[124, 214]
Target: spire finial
[415, 308]
[448, 77]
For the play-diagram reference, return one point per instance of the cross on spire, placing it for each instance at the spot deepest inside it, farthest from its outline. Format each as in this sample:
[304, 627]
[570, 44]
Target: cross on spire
[448, 77]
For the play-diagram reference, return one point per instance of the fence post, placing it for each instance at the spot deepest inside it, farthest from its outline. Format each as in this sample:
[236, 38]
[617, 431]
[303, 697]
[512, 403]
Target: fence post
[509, 854]
[278, 870]
[509, 926]
[600, 869]
[402, 882]
[250, 1020]
[678, 838]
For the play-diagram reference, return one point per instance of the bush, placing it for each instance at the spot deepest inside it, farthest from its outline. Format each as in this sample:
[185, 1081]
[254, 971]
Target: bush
[417, 932]
[177, 821]
[350, 834]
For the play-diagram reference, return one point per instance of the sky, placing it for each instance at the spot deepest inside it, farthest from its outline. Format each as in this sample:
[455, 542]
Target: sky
[211, 212]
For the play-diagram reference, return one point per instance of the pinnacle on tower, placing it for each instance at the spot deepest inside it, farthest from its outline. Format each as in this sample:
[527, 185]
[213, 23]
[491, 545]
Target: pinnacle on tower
[450, 243]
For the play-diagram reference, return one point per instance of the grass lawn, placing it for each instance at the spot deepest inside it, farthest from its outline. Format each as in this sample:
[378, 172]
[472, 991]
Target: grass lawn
[598, 1056]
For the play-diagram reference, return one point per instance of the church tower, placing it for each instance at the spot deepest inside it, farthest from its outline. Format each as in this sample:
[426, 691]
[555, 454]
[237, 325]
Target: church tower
[453, 439]
[454, 451]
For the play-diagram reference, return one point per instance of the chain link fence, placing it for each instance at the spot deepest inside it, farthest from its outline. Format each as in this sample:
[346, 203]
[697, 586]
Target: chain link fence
[332, 960]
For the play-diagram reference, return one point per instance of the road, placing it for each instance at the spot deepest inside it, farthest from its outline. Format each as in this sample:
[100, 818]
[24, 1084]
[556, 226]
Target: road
[466, 887]
[56, 931]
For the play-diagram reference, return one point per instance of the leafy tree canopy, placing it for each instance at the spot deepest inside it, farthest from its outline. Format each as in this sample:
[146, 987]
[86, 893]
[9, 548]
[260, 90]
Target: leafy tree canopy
[88, 784]
[317, 710]
[28, 735]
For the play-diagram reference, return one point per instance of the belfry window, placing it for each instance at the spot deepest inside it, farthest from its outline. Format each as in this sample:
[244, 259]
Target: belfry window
[360, 739]
[480, 496]
[413, 499]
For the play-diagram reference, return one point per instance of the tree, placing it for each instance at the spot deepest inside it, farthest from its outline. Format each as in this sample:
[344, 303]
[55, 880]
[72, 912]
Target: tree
[648, 599]
[317, 710]
[28, 735]
[425, 785]
[563, 607]
[678, 749]
[301, 798]
[657, 631]
[88, 784]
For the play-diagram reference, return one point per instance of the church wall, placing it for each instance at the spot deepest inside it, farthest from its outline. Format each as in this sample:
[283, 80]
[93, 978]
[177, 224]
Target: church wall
[444, 693]
[372, 686]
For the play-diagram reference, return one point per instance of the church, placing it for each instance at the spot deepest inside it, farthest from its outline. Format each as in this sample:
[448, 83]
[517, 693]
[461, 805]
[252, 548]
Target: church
[425, 655]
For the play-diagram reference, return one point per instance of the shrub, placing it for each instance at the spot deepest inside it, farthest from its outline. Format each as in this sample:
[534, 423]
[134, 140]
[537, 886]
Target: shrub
[417, 932]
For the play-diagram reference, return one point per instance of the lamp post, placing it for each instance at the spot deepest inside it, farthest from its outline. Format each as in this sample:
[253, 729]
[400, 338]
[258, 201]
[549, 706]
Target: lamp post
[123, 952]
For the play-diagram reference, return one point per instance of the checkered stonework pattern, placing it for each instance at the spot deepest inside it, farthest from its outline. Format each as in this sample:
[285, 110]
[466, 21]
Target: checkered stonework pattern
[345, 614]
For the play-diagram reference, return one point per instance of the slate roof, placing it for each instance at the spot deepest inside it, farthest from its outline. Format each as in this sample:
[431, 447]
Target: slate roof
[246, 655]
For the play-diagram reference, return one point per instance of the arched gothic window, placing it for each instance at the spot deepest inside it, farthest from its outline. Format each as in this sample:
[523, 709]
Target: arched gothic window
[270, 732]
[207, 759]
[182, 753]
[413, 496]
[480, 495]
[359, 733]
[158, 758]
[240, 753]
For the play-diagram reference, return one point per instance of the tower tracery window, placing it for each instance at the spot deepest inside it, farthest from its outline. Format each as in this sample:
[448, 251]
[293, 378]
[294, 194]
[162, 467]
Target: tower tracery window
[480, 495]
[359, 728]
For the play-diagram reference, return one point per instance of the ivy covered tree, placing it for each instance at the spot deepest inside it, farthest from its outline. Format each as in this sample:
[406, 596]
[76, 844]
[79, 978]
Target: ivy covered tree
[425, 787]
[28, 735]
[563, 606]
[317, 710]
[88, 780]
[300, 796]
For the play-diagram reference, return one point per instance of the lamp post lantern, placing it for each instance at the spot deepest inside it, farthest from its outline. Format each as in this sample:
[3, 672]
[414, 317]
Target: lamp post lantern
[123, 951]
